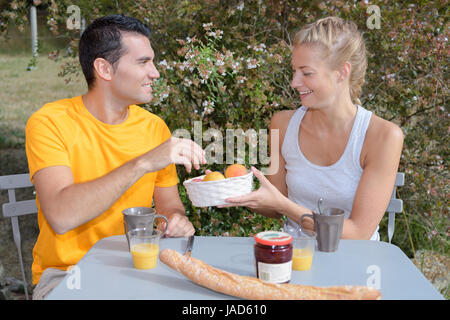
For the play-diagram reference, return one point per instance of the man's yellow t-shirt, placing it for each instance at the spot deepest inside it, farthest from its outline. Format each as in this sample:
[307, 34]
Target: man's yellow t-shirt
[65, 133]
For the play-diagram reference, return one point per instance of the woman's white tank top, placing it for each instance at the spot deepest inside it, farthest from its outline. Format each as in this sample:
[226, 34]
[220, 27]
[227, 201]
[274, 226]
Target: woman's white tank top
[336, 184]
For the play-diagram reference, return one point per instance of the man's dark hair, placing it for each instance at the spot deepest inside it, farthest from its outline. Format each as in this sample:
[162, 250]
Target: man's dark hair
[102, 39]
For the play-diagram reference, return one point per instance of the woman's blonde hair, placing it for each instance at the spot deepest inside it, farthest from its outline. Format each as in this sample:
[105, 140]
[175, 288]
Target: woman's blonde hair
[341, 41]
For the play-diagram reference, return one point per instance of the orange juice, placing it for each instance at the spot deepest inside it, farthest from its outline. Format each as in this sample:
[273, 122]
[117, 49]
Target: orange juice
[145, 255]
[302, 259]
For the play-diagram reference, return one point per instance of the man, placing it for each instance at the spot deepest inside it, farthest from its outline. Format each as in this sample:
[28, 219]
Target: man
[92, 156]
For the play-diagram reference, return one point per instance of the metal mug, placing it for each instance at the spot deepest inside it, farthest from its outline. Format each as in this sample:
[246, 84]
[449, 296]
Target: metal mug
[328, 227]
[140, 217]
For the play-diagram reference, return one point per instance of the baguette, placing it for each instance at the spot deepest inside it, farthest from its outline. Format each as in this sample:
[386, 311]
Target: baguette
[255, 289]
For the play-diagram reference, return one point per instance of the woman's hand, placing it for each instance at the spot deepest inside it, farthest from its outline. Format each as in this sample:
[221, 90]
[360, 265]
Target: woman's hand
[307, 224]
[266, 197]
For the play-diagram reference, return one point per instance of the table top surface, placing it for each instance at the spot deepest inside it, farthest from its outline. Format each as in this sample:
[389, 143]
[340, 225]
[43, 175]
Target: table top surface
[107, 272]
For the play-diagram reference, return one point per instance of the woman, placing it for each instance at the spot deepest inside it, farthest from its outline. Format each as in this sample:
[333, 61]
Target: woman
[331, 147]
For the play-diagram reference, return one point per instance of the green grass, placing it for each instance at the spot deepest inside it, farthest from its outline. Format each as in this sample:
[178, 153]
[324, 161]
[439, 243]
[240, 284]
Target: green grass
[23, 92]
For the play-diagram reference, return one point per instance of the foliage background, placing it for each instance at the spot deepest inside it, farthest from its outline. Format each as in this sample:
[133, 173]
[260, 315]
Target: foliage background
[227, 64]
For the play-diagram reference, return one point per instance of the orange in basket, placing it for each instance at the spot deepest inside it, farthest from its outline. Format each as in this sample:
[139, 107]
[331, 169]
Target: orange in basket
[214, 192]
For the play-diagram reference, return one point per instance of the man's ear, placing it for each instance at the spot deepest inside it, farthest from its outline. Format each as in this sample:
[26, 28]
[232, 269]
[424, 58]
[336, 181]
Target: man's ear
[103, 69]
[344, 71]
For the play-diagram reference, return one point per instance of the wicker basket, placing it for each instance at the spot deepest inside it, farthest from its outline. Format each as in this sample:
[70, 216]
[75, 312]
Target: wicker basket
[214, 193]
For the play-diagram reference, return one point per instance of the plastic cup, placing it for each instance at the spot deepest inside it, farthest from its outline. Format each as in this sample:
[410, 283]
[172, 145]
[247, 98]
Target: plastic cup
[144, 247]
[303, 254]
[140, 218]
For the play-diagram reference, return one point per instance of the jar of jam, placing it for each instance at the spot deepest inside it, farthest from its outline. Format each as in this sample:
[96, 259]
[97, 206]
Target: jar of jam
[273, 256]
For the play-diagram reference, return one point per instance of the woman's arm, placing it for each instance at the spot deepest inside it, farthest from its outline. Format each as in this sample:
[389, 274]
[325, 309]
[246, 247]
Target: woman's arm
[384, 148]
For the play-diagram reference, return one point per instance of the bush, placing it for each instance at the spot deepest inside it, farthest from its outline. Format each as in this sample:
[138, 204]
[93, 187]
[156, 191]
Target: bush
[226, 64]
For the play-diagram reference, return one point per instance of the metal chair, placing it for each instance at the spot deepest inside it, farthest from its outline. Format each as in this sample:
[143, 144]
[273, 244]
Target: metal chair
[13, 209]
[395, 205]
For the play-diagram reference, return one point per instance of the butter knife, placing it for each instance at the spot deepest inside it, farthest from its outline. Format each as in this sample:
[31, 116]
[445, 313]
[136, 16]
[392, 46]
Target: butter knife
[189, 247]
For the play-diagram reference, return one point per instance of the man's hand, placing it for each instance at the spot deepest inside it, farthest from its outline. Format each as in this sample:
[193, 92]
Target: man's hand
[173, 150]
[179, 226]
[167, 202]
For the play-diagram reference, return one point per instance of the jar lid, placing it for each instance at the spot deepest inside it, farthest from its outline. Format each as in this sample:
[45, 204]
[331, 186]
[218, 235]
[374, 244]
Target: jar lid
[273, 238]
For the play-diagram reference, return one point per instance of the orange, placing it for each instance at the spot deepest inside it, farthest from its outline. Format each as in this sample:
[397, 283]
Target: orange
[213, 176]
[235, 170]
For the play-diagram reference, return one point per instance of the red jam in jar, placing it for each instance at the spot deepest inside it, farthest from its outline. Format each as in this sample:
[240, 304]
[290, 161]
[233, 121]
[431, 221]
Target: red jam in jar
[273, 255]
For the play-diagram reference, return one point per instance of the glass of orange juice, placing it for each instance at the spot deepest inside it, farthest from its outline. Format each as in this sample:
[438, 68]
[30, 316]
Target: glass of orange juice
[304, 246]
[144, 247]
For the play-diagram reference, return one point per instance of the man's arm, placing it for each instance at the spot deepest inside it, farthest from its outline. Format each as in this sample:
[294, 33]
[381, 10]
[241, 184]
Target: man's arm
[67, 205]
[168, 203]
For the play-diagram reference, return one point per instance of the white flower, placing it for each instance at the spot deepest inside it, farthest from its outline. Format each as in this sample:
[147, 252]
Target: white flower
[220, 63]
[207, 103]
[163, 96]
[240, 7]
[208, 107]
[207, 110]
[187, 82]
[164, 63]
[183, 65]
[215, 34]
[190, 54]
[241, 79]
[252, 63]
